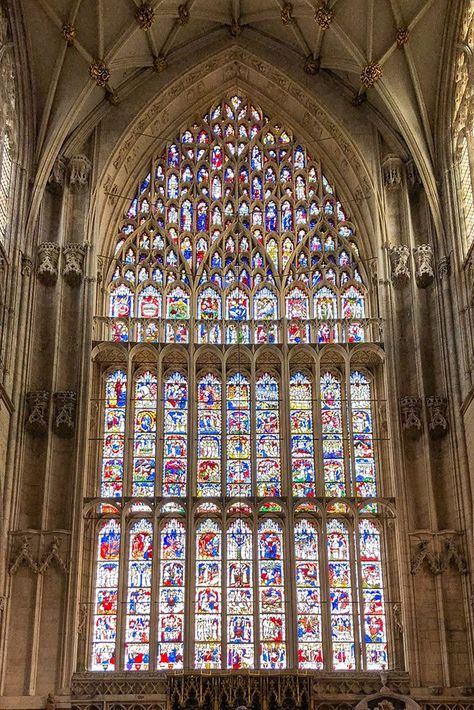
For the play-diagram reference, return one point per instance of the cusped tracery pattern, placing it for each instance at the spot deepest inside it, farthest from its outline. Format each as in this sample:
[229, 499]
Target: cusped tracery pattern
[239, 485]
[236, 236]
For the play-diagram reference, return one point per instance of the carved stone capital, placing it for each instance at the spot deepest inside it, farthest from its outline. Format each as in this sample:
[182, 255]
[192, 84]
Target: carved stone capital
[399, 256]
[437, 416]
[38, 410]
[79, 171]
[48, 260]
[65, 413]
[424, 268]
[57, 175]
[73, 270]
[410, 408]
[392, 172]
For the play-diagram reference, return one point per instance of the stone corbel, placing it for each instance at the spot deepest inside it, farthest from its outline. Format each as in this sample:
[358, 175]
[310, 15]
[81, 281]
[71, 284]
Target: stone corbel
[392, 172]
[73, 270]
[399, 256]
[410, 408]
[48, 260]
[424, 268]
[57, 175]
[79, 171]
[437, 416]
[65, 413]
[38, 411]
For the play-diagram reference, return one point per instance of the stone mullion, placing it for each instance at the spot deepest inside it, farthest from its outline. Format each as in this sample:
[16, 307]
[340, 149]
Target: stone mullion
[190, 562]
[359, 627]
[160, 429]
[122, 590]
[256, 588]
[224, 573]
[326, 630]
[291, 639]
[155, 588]
[348, 433]
[224, 454]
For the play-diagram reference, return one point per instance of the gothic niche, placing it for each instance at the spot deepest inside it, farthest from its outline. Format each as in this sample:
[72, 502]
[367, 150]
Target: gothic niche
[437, 420]
[48, 259]
[73, 263]
[410, 408]
[399, 256]
[79, 170]
[37, 411]
[65, 413]
[424, 272]
[392, 172]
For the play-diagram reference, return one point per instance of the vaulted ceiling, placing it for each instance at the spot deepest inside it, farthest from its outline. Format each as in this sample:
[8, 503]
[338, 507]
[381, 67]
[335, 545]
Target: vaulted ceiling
[386, 51]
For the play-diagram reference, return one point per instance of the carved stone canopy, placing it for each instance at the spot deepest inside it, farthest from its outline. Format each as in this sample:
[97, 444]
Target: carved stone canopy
[437, 416]
[424, 271]
[73, 270]
[399, 256]
[48, 259]
[37, 411]
[410, 408]
[392, 172]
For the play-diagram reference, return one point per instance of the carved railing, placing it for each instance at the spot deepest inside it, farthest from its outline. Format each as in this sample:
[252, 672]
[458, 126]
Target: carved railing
[228, 332]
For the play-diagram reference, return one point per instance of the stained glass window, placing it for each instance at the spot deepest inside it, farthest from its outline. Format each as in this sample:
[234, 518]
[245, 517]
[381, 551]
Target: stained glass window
[301, 428]
[175, 440]
[272, 595]
[144, 452]
[333, 444]
[5, 181]
[239, 467]
[240, 612]
[308, 596]
[208, 651]
[268, 436]
[209, 436]
[114, 435]
[106, 597]
[341, 594]
[236, 277]
[137, 623]
[171, 596]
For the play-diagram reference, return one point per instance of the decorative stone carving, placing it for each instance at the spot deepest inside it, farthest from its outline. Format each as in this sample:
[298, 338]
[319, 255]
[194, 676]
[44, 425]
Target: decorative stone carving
[287, 13]
[410, 408]
[397, 619]
[38, 411]
[444, 267]
[50, 702]
[69, 33]
[57, 175]
[145, 16]
[413, 176]
[422, 553]
[79, 171]
[392, 172]
[112, 97]
[183, 15]
[26, 265]
[99, 72]
[53, 555]
[359, 98]
[399, 256]
[73, 263]
[371, 74]
[324, 16]
[424, 271]
[65, 413]
[48, 260]
[312, 64]
[451, 554]
[160, 63]
[235, 28]
[23, 556]
[437, 416]
[403, 33]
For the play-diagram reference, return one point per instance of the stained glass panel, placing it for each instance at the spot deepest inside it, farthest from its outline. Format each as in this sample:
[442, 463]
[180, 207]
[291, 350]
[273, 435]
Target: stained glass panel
[301, 429]
[106, 597]
[373, 596]
[365, 483]
[137, 622]
[144, 440]
[271, 595]
[341, 596]
[209, 436]
[207, 653]
[114, 436]
[308, 596]
[175, 435]
[333, 442]
[239, 468]
[171, 596]
[240, 618]
[268, 436]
